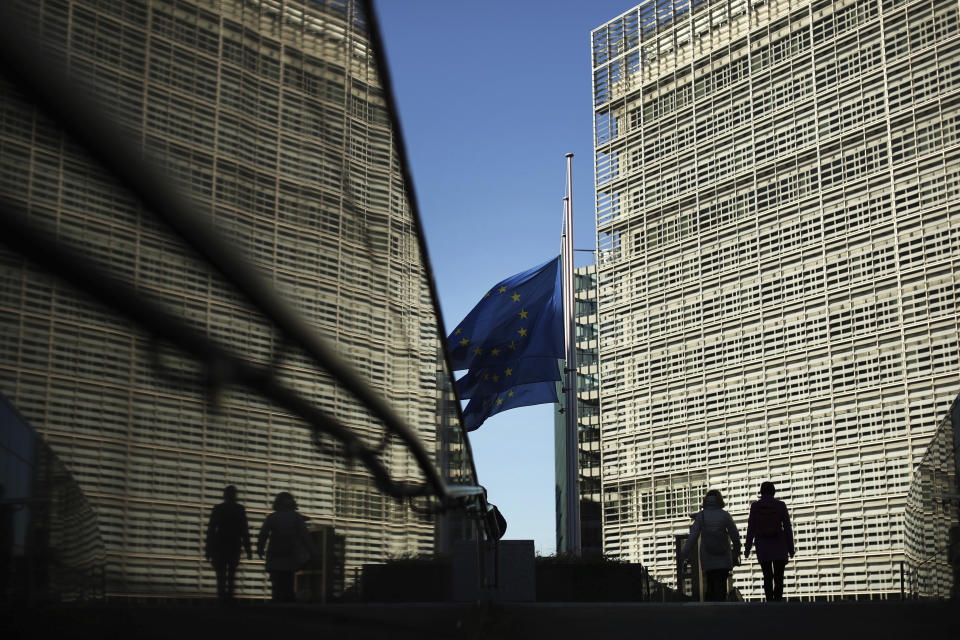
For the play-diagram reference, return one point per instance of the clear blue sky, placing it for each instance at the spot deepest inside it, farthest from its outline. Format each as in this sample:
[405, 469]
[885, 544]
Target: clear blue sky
[491, 96]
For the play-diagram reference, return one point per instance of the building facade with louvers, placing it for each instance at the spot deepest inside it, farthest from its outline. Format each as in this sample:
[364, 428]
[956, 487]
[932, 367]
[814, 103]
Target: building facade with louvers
[778, 219]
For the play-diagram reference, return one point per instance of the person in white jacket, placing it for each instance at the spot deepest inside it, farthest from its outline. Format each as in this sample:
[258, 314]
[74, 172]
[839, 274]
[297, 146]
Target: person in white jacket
[719, 544]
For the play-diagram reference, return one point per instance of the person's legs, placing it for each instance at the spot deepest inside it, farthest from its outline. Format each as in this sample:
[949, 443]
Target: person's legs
[720, 586]
[778, 567]
[220, 568]
[767, 569]
[286, 589]
[716, 590]
[275, 585]
[707, 587]
[231, 571]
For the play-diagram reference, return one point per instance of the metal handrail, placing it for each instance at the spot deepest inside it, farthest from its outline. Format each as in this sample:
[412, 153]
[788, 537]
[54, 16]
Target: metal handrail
[386, 84]
[124, 299]
[64, 100]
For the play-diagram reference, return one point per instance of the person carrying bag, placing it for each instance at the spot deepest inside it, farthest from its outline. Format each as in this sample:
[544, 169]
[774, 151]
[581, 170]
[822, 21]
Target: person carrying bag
[288, 544]
[719, 545]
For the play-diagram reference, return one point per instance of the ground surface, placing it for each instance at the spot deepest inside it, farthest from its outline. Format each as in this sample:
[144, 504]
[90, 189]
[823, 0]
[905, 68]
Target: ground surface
[207, 620]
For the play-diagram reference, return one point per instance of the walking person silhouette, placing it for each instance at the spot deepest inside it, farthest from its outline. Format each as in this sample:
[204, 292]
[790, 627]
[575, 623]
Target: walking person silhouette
[769, 529]
[288, 545]
[226, 531]
[717, 531]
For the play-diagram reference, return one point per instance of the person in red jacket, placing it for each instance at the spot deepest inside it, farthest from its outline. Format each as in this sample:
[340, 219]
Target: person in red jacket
[769, 529]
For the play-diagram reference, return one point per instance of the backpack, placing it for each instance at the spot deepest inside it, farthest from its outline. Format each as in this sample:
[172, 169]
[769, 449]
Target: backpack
[714, 538]
[766, 520]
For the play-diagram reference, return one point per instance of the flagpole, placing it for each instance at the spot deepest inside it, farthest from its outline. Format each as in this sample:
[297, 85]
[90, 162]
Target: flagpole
[572, 448]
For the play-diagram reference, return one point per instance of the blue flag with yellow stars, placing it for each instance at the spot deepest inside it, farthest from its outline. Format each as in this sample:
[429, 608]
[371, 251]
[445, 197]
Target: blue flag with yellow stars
[479, 409]
[510, 343]
[490, 380]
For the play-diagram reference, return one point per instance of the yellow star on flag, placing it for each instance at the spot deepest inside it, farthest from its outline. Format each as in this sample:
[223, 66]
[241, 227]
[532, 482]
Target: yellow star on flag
[494, 351]
[464, 342]
[522, 332]
[457, 332]
[496, 378]
[510, 395]
[516, 297]
[478, 351]
[523, 314]
[499, 401]
[502, 289]
[512, 346]
[508, 372]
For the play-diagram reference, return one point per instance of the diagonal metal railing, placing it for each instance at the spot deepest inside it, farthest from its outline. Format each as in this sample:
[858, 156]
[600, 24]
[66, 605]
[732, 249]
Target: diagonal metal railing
[66, 102]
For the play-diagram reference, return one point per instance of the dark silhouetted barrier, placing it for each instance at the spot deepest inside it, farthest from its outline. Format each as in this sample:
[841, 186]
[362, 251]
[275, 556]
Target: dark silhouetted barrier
[558, 579]
[52, 548]
[932, 524]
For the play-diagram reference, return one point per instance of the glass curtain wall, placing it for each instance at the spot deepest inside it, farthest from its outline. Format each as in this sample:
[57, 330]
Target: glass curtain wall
[274, 119]
[932, 564]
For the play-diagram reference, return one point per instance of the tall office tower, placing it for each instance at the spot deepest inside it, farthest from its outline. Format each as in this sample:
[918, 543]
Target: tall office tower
[588, 423]
[777, 219]
[271, 116]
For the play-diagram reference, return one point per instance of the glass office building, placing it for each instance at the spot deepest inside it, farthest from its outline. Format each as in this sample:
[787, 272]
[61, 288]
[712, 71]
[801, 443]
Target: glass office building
[588, 424]
[273, 118]
[778, 213]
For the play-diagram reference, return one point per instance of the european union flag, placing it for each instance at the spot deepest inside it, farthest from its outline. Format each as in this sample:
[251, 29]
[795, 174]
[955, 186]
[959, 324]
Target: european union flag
[479, 409]
[510, 343]
[490, 380]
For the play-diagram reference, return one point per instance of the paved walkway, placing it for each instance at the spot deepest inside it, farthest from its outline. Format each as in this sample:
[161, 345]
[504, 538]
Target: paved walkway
[209, 621]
